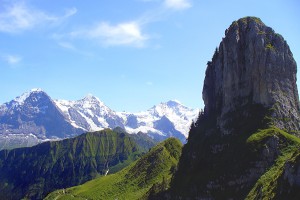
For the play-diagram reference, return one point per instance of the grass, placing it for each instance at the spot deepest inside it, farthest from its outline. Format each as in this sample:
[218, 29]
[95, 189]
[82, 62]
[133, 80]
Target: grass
[34, 172]
[134, 181]
[267, 185]
[261, 135]
[256, 19]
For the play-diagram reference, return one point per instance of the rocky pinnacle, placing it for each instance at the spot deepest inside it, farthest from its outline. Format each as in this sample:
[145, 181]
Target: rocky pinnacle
[253, 65]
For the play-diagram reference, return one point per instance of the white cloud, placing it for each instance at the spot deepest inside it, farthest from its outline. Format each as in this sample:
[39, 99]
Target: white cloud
[129, 33]
[177, 4]
[18, 17]
[12, 59]
[122, 34]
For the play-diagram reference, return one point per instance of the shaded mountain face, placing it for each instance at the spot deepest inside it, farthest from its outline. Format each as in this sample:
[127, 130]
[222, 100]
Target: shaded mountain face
[147, 175]
[33, 172]
[237, 148]
[35, 113]
[34, 117]
[166, 126]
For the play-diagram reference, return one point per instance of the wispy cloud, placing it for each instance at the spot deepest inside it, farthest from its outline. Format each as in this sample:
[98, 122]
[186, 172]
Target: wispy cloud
[12, 59]
[177, 4]
[67, 45]
[70, 12]
[71, 47]
[122, 34]
[18, 17]
[129, 33]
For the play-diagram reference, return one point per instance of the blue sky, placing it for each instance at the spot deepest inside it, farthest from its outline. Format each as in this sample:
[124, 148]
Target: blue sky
[131, 54]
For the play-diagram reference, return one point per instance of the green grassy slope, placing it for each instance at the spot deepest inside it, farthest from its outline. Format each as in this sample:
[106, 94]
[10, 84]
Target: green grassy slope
[144, 141]
[133, 182]
[34, 172]
[269, 185]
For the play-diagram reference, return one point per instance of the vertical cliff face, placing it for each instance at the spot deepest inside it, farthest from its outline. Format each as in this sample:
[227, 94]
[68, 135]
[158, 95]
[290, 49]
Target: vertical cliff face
[237, 149]
[253, 65]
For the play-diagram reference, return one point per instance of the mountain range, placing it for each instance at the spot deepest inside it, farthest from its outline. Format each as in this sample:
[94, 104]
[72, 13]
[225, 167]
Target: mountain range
[34, 117]
[244, 145]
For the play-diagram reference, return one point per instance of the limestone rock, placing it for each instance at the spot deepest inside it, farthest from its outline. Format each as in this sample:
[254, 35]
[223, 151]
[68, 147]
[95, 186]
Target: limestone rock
[253, 65]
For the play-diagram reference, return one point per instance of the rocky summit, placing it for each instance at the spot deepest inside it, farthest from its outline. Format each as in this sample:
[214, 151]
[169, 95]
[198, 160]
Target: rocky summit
[253, 65]
[244, 144]
[34, 114]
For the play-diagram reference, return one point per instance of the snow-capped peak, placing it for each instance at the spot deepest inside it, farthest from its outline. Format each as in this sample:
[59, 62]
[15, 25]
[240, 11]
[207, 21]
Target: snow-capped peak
[90, 97]
[89, 113]
[36, 90]
[21, 99]
[180, 115]
[172, 107]
[90, 100]
[173, 103]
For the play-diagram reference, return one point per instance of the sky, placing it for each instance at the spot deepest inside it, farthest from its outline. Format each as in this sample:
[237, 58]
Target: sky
[131, 54]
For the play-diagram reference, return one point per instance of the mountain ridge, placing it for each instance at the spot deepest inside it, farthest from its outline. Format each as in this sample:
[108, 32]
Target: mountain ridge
[32, 172]
[34, 115]
[137, 181]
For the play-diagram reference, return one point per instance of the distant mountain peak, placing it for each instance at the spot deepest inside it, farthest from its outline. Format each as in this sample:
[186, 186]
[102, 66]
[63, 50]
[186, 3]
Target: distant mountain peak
[173, 103]
[36, 90]
[169, 106]
[91, 98]
[21, 99]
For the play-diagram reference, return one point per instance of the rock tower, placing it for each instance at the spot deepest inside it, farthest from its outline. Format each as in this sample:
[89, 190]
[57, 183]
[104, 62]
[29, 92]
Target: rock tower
[253, 65]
